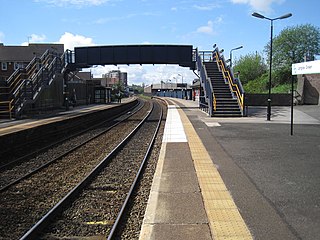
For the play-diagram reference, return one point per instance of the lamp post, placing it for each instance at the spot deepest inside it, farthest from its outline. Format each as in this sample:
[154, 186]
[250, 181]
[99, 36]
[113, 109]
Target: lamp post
[257, 15]
[182, 93]
[237, 48]
[181, 77]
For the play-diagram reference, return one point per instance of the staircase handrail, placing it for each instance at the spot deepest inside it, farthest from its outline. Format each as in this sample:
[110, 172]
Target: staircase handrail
[67, 57]
[31, 77]
[11, 81]
[9, 107]
[206, 81]
[226, 73]
[31, 65]
[37, 81]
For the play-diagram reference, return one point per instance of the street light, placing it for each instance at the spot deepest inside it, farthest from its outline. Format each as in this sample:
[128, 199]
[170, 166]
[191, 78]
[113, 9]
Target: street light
[237, 48]
[258, 15]
[182, 93]
[181, 77]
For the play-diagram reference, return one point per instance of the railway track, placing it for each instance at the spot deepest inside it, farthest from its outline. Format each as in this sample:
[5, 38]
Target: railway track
[35, 161]
[94, 208]
[23, 204]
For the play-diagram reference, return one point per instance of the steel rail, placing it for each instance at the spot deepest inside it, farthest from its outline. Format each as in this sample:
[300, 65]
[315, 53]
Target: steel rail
[134, 184]
[45, 220]
[20, 159]
[4, 188]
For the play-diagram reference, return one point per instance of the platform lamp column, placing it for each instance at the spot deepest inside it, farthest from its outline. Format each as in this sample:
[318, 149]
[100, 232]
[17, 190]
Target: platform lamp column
[258, 15]
[182, 94]
[237, 48]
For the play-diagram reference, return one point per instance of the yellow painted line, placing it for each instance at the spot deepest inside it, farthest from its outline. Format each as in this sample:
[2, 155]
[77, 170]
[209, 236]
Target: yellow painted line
[225, 220]
[105, 222]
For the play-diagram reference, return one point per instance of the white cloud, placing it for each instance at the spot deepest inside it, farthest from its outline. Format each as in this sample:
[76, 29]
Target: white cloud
[70, 41]
[78, 3]
[158, 73]
[208, 29]
[207, 7]
[148, 74]
[263, 6]
[34, 38]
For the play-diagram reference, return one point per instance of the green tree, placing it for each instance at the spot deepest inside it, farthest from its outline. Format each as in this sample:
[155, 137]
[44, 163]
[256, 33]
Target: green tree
[292, 45]
[251, 66]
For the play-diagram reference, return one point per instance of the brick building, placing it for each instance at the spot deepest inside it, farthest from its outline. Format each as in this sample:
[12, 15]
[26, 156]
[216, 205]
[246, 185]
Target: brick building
[14, 57]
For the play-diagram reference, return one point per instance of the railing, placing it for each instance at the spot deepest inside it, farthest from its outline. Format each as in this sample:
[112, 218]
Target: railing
[236, 88]
[206, 56]
[6, 108]
[209, 99]
[214, 101]
[25, 84]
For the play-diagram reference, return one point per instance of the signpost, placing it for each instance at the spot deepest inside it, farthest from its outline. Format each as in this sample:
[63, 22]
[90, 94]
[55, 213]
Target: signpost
[312, 67]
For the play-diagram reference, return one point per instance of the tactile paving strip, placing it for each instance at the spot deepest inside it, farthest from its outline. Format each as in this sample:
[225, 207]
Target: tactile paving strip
[223, 215]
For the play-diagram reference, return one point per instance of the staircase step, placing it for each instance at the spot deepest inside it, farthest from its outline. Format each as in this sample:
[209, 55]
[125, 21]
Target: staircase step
[226, 105]
[223, 114]
[235, 105]
[226, 99]
[220, 86]
[223, 95]
[229, 106]
[225, 90]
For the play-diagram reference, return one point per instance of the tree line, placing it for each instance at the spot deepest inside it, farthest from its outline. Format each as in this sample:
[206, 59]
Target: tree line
[293, 45]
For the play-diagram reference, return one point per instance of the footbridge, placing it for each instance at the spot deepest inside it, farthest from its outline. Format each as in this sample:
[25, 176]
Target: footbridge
[221, 93]
[135, 54]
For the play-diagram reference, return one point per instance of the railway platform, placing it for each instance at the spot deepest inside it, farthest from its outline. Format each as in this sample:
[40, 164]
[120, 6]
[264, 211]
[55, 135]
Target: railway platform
[13, 126]
[235, 178]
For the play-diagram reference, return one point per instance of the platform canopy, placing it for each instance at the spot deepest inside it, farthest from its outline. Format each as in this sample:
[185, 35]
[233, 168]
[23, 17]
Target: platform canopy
[135, 54]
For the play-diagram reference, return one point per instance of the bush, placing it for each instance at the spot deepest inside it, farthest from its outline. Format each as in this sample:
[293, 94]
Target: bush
[251, 67]
[259, 85]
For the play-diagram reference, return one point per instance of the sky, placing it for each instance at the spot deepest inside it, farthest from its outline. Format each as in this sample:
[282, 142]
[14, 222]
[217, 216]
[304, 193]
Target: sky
[201, 23]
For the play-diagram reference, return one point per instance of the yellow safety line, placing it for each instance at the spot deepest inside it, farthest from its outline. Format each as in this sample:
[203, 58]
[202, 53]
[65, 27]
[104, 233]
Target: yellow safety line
[224, 218]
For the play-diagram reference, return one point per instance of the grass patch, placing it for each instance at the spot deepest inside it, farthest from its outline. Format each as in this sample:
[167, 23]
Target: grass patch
[260, 85]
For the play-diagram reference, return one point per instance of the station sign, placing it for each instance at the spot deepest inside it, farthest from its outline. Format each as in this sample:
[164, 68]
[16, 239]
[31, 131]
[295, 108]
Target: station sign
[311, 67]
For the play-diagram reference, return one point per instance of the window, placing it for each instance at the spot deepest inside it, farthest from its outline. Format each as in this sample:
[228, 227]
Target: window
[4, 66]
[18, 65]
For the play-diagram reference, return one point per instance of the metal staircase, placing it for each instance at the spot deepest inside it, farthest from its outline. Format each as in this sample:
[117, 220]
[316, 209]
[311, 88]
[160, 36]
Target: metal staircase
[224, 96]
[226, 104]
[25, 85]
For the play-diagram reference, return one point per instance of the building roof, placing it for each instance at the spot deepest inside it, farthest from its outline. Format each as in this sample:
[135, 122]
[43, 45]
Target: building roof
[165, 85]
[196, 84]
[27, 53]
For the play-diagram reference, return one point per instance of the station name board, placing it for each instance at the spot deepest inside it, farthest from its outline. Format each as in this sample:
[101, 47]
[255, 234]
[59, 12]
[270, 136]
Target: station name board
[306, 68]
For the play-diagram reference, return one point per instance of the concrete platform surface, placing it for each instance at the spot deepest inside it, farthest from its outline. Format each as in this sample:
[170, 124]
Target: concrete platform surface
[237, 178]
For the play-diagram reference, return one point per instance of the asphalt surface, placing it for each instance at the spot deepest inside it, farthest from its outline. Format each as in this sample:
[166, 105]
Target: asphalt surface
[273, 177]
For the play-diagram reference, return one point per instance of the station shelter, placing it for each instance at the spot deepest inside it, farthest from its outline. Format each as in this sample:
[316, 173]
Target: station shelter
[168, 89]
